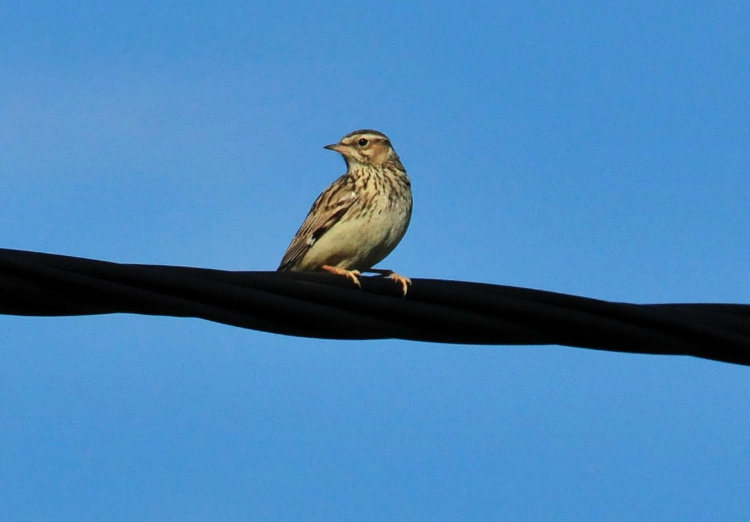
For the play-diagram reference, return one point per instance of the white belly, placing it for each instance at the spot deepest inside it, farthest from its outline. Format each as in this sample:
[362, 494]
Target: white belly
[360, 243]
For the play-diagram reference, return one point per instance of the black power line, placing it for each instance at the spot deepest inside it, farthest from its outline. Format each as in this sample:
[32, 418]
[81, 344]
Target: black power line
[328, 306]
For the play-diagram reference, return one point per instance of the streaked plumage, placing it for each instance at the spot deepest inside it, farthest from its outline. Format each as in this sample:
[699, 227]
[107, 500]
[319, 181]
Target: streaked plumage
[361, 217]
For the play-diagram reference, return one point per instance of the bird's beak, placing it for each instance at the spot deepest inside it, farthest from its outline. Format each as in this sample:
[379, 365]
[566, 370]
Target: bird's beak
[338, 147]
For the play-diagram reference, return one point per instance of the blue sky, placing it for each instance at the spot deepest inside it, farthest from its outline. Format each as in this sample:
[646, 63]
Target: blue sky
[594, 149]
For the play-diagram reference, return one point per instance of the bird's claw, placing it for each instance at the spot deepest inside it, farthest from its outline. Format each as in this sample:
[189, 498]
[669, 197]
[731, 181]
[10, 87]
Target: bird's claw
[352, 275]
[403, 280]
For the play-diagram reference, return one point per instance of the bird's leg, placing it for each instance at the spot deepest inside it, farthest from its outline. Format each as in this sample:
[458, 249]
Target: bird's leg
[402, 280]
[350, 274]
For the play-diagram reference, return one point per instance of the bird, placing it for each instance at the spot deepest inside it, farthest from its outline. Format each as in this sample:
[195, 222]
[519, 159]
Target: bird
[361, 217]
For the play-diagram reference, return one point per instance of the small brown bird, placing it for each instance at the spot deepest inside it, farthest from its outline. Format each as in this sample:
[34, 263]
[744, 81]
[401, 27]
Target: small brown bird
[361, 217]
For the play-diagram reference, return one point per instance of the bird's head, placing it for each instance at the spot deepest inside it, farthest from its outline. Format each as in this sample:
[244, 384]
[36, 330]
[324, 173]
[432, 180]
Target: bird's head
[367, 147]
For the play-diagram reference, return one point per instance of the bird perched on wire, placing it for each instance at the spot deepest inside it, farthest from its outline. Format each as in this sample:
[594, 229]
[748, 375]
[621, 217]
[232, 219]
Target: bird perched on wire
[361, 217]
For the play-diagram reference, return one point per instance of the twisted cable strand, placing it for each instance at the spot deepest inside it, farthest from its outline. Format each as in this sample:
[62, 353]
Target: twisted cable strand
[327, 306]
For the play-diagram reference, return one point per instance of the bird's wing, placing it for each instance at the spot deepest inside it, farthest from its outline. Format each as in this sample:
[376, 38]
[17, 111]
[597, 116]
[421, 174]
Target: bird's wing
[327, 210]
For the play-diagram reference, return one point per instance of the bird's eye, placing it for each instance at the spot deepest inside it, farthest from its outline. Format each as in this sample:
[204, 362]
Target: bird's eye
[362, 142]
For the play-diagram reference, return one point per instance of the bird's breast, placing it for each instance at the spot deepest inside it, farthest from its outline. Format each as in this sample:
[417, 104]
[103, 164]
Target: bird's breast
[369, 230]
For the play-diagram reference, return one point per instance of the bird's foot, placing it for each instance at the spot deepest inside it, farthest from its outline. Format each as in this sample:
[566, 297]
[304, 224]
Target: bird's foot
[404, 281]
[353, 275]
